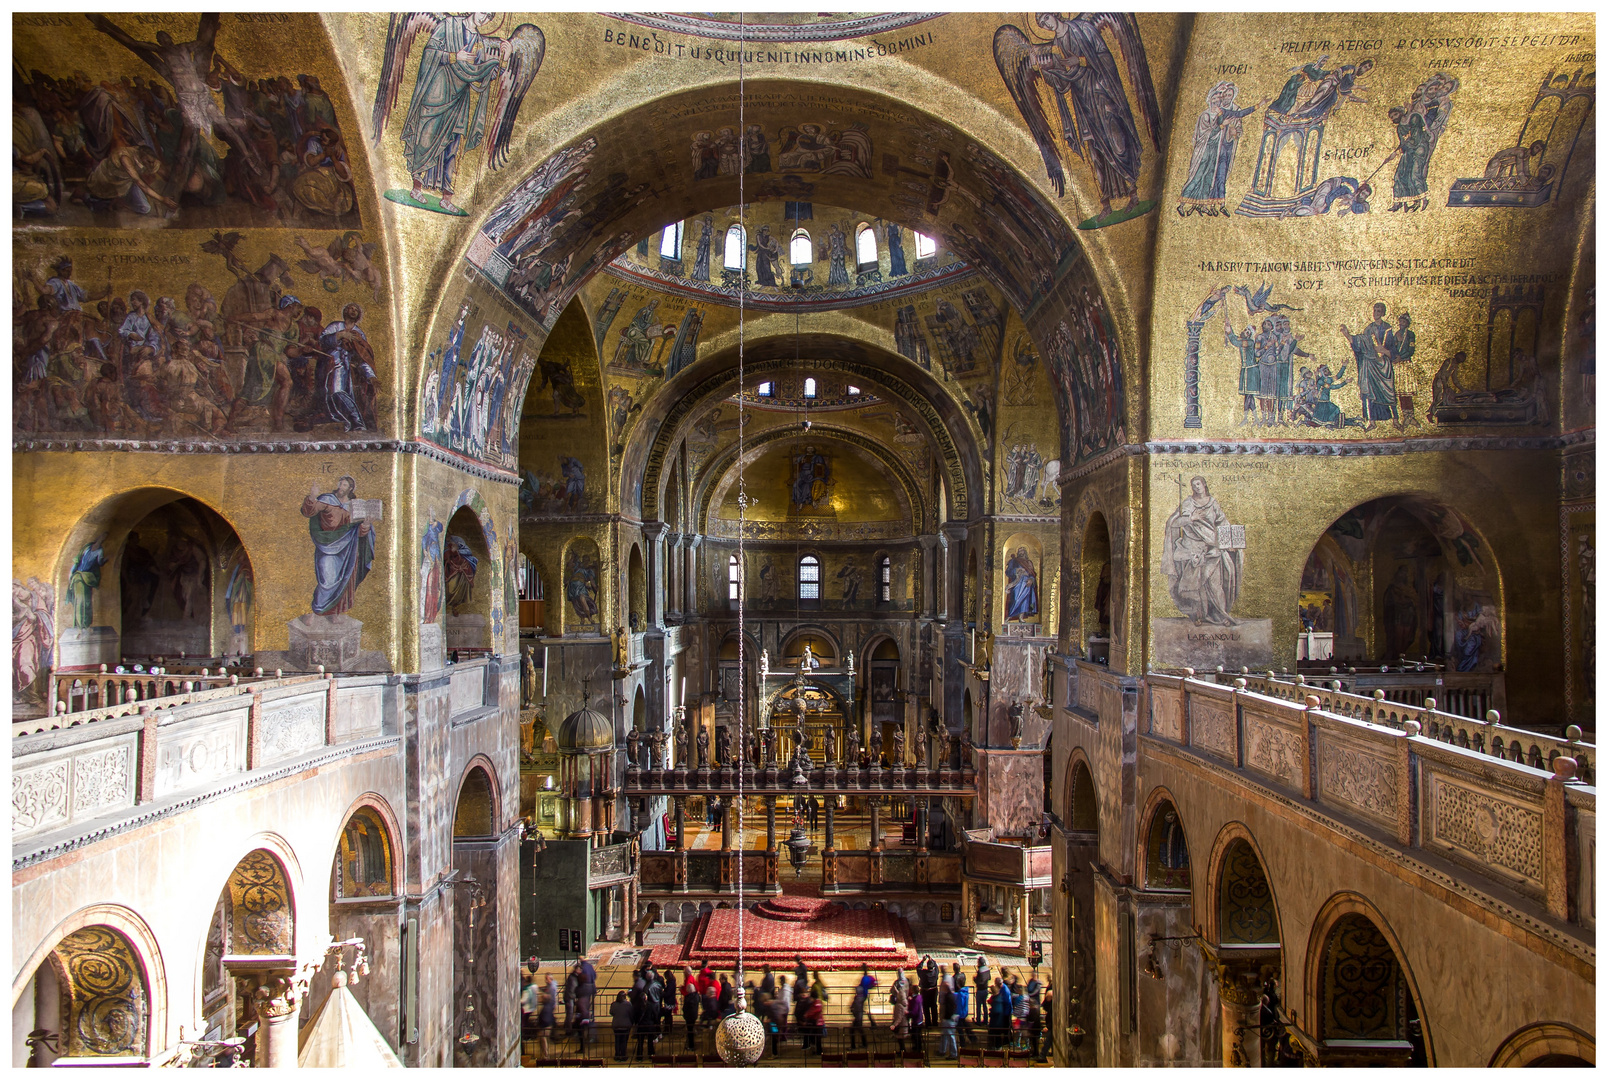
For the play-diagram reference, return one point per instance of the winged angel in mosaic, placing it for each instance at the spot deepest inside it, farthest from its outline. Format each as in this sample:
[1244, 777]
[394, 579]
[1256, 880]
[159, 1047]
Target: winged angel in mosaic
[467, 79]
[1077, 66]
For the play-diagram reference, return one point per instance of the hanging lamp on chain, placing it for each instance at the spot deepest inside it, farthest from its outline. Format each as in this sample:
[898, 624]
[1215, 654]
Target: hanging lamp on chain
[740, 1039]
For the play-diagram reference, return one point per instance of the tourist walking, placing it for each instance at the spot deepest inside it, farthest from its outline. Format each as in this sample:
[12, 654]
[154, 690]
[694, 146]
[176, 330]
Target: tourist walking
[900, 1022]
[667, 1003]
[544, 1018]
[983, 983]
[963, 1028]
[814, 1022]
[620, 1017]
[999, 1015]
[1035, 1028]
[947, 1046]
[691, 1003]
[776, 1024]
[917, 1010]
[857, 1007]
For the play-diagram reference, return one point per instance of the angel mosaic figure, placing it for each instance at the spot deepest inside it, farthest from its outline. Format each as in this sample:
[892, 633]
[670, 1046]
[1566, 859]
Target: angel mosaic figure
[1081, 74]
[444, 118]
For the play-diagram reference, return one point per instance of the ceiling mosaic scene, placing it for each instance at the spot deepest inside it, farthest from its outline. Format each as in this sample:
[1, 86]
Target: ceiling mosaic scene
[1005, 538]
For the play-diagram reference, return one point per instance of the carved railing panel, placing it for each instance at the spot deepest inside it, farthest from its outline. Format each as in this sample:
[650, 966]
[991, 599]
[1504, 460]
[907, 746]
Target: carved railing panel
[1530, 829]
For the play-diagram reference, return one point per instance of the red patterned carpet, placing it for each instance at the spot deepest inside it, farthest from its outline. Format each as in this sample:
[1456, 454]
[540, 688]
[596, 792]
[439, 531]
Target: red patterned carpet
[825, 934]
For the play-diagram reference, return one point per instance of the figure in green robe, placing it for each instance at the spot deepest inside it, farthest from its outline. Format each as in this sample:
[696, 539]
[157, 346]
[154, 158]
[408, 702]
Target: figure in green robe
[445, 118]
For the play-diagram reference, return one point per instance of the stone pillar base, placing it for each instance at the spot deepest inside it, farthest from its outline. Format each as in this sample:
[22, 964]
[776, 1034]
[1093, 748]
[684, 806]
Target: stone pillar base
[467, 632]
[89, 646]
[432, 647]
[332, 640]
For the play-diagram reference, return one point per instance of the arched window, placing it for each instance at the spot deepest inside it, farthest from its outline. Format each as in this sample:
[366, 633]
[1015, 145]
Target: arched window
[809, 578]
[734, 583]
[865, 246]
[885, 579]
[802, 251]
[809, 387]
[736, 248]
[670, 245]
[925, 246]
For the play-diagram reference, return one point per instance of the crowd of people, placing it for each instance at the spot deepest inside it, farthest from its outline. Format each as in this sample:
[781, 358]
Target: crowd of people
[961, 1009]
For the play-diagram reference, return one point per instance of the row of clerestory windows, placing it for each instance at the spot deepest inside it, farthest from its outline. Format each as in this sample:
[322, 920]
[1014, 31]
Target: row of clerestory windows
[801, 249]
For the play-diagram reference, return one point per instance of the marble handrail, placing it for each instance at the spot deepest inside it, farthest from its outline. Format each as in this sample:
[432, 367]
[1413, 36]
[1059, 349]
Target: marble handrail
[1490, 736]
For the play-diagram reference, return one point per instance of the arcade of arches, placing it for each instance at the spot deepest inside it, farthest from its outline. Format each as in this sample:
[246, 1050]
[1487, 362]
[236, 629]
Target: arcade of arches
[1114, 488]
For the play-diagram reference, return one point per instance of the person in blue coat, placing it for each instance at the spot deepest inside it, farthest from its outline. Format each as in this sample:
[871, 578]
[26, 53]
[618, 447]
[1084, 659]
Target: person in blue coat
[999, 1015]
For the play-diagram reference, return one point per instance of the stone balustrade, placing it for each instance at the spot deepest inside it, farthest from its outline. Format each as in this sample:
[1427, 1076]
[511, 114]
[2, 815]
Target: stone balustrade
[1510, 822]
[75, 768]
[1490, 736]
[88, 697]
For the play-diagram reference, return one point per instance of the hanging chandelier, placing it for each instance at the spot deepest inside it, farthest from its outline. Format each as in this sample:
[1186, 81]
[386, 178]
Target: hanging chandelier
[740, 1038]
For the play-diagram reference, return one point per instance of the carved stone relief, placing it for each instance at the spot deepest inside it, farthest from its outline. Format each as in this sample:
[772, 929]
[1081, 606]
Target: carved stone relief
[293, 730]
[102, 779]
[1211, 727]
[1487, 828]
[38, 797]
[1273, 750]
[1362, 781]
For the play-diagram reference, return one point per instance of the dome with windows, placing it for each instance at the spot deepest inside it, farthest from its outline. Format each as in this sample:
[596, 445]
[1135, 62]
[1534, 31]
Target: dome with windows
[788, 255]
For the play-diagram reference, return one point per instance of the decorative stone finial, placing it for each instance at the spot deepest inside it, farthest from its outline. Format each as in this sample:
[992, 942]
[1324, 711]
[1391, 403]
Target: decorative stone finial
[1571, 733]
[1313, 701]
[1412, 727]
[1239, 684]
[1379, 695]
[1429, 704]
[1565, 768]
[1189, 673]
[1300, 680]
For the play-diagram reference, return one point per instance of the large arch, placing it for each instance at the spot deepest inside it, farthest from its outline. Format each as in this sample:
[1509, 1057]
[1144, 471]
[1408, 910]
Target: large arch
[1042, 254]
[1161, 841]
[1468, 574]
[146, 952]
[1546, 1044]
[1082, 799]
[1349, 914]
[1239, 887]
[375, 804]
[720, 471]
[948, 427]
[477, 809]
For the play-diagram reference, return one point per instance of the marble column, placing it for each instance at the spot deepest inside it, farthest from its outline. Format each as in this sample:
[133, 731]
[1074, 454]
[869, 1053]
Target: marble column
[681, 822]
[689, 606]
[955, 570]
[770, 823]
[654, 533]
[1240, 994]
[929, 575]
[1024, 921]
[275, 988]
[921, 828]
[725, 825]
[673, 563]
[876, 825]
[831, 819]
